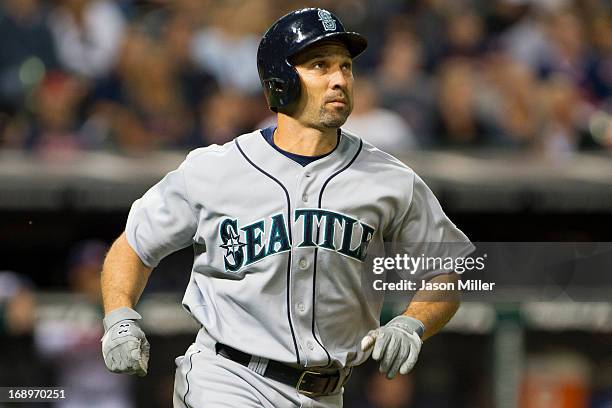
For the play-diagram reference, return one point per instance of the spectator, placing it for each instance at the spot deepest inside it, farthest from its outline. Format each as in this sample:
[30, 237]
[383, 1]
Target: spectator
[55, 127]
[178, 37]
[27, 51]
[19, 364]
[17, 304]
[428, 21]
[228, 48]
[196, 85]
[562, 103]
[510, 99]
[88, 35]
[567, 53]
[403, 85]
[110, 123]
[140, 106]
[458, 122]
[599, 69]
[524, 38]
[383, 128]
[224, 115]
[464, 35]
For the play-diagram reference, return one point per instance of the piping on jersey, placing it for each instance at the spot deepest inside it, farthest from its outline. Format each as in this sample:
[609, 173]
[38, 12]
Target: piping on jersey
[187, 378]
[297, 353]
[314, 275]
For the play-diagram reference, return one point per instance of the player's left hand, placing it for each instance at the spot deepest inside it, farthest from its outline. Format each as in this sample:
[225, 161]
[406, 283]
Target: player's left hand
[396, 345]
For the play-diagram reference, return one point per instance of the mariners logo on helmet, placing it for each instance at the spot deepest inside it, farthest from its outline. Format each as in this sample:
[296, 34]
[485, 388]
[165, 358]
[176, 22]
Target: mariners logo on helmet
[328, 21]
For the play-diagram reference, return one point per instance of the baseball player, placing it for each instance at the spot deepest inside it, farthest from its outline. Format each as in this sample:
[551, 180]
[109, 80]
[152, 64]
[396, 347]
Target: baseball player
[281, 221]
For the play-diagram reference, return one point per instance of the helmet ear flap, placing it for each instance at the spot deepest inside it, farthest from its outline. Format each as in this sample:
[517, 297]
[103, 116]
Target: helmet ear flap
[294, 86]
[281, 92]
[275, 85]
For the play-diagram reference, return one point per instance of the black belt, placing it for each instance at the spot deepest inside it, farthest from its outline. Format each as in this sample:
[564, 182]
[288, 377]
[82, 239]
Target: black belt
[307, 382]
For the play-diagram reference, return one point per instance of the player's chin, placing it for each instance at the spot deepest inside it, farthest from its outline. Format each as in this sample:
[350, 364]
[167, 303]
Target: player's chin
[336, 116]
[333, 121]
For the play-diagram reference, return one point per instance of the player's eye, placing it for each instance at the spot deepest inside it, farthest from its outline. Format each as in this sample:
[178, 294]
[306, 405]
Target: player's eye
[318, 65]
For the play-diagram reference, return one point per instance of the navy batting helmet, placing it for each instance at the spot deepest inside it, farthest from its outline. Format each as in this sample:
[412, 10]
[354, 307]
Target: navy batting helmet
[285, 38]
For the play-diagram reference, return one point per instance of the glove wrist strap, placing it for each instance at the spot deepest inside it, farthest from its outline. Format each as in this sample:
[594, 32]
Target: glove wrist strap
[413, 323]
[117, 315]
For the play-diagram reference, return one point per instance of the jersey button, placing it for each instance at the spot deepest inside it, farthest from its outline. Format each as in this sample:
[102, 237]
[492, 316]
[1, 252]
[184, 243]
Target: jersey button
[303, 263]
[310, 345]
[301, 307]
[305, 198]
[307, 175]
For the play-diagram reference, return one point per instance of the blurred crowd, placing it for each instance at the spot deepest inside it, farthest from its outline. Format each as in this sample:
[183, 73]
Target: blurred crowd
[129, 76]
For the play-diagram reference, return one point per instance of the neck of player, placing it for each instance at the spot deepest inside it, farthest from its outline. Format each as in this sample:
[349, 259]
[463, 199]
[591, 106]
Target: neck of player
[293, 137]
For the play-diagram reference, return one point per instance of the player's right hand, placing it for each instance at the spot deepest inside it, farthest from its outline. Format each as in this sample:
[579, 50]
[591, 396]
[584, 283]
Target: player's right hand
[124, 346]
[396, 345]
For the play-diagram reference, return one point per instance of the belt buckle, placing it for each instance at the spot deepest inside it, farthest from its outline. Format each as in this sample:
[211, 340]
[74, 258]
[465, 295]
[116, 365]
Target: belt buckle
[326, 389]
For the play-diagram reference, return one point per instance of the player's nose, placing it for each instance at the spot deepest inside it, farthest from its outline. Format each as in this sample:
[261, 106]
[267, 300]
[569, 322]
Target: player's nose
[338, 78]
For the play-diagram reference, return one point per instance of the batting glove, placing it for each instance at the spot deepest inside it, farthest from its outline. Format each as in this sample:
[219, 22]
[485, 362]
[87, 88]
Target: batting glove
[396, 345]
[124, 346]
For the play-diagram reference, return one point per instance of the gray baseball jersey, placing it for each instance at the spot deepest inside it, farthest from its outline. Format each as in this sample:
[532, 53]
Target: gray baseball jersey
[280, 247]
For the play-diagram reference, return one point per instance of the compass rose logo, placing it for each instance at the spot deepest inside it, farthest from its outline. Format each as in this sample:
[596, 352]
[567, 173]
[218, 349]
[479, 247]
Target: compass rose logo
[233, 246]
[230, 242]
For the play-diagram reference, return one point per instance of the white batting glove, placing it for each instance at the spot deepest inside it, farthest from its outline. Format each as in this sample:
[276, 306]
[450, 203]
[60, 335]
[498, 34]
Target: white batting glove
[124, 346]
[396, 345]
